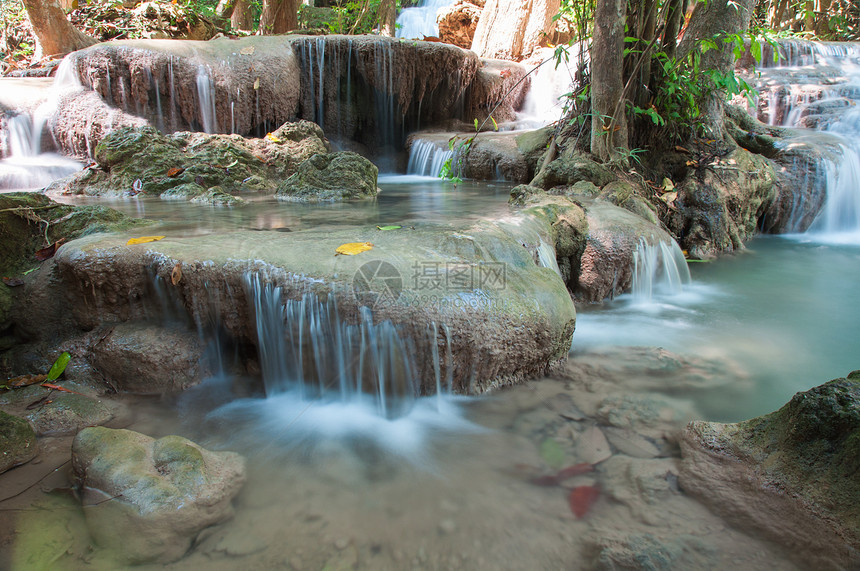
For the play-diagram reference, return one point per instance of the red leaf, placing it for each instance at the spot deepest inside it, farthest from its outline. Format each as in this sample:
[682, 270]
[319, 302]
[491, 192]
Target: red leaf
[575, 470]
[48, 251]
[59, 388]
[582, 498]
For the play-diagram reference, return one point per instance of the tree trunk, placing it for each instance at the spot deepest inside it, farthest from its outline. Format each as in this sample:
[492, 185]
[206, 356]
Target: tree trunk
[242, 17]
[387, 16]
[54, 34]
[716, 19]
[513, 30]
[278, 17]
[609, 116]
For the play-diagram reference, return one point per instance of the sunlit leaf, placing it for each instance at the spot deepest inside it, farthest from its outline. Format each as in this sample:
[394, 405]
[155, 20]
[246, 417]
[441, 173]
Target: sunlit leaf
[175, 171]
[176, 274]
[353, 248]
[143, 240]
[391, 227]
[59, 366]
[272, 138]
[668, 184]
[256, 84]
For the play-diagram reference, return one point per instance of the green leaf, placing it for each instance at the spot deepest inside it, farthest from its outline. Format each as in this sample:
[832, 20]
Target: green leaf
[391, 227]
[476, 123]
[551, 453]
[58, 367]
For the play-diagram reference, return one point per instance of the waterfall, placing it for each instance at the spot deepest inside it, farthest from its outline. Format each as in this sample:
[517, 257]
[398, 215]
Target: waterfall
[658, 269]
[544, 101]
[420, 21]
[206, 96]
[426, 158]
[834, 110]
[306, 348]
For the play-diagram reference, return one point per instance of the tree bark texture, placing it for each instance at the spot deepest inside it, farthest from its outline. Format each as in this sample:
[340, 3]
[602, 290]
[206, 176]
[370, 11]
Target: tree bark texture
[608, 120]
[513, 30]
[279, 17]
[387, 17]
[55, 35]
[242, 18]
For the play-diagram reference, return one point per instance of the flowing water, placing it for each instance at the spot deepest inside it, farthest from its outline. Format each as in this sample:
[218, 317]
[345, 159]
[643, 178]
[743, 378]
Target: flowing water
[365, 475]
[420, 21]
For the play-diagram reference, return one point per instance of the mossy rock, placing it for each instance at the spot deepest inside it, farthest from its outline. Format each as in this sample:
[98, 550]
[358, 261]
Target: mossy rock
[790, 475]
[332, 177]
[571, 167]
[17, 441]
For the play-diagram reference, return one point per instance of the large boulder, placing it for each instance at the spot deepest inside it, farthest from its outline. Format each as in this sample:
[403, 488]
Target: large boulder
[144, 359]
[457, 23]
[790, 475]
[17, 441]
[141, 160]
[499, 309]
[331, 177]
[146, 500]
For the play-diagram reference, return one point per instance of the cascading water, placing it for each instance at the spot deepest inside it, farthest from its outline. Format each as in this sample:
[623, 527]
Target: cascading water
[835, 111]
[426, 158]
[206, 97]
[544, 101]
[658, 269]
[420, 21]
[327, 378]
[25, 166]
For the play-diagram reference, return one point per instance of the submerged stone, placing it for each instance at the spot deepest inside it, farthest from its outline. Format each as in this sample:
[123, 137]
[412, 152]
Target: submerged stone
[161, 493]
[790, 475]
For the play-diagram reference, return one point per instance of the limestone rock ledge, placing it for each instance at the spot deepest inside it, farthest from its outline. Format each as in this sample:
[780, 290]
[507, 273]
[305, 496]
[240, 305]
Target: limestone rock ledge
[790, 475]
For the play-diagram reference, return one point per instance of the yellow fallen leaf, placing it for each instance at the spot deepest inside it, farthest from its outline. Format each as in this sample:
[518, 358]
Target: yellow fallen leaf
[272, 138]
[247, 51]
[668, 184]
[256, 84]
[143, 240]
[669, 197]
[353, 248]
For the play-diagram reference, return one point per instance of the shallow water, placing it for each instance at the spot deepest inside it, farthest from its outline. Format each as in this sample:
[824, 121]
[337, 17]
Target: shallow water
[403, 200]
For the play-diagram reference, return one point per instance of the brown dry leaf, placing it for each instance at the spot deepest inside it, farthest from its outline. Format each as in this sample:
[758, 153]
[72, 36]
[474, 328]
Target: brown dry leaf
[48, 252]
[669, 198]
[681, 149]
[26, 380]
[13, 282]
[176, 274]
[692, 164]
[247, 51]
[175, 171]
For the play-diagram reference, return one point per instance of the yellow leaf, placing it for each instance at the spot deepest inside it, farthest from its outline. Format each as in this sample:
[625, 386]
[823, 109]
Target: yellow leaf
[247, 51]
[668, 184]
[256, 84]
[669, 197]
[353, 248]
[272, 138]
[692, 164]
[143, 240]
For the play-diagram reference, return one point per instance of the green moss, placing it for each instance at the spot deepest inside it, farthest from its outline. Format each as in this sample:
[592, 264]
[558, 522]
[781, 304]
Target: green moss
[17, 441]
[331, 177]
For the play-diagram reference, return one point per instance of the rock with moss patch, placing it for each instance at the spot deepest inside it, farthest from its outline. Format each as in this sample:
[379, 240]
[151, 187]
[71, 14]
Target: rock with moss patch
[17, 441]
[143, 160]
[162, 492]
[332, 177]
[790, 475]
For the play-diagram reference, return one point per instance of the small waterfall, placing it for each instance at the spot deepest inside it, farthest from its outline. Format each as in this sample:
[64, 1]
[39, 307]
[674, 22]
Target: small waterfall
[658, 269]
[206, 97]
[841, 213]
[426, 158]
[305, 347]
[420, 21]
[544, 100]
